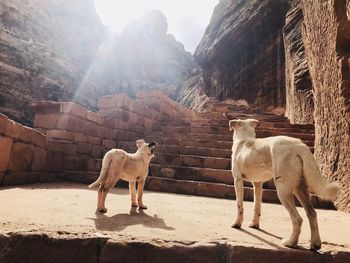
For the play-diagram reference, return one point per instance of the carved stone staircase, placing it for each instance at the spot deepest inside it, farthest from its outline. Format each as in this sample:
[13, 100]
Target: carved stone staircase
[195, 157]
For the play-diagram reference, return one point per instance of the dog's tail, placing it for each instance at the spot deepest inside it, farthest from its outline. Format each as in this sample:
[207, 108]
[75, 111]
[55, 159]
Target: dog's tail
[103, 173]
[315, 181]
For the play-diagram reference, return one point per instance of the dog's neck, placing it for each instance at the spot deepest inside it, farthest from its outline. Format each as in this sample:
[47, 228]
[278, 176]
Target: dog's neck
[239, 136]
[145, 157]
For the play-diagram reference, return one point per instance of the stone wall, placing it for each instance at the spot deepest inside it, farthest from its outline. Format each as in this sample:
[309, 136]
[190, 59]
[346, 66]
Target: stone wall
[326, 36]
[68, 137]
[85, 136]
[26, 155]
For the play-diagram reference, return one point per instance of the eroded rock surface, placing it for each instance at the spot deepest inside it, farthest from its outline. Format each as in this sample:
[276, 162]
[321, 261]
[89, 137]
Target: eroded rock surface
[242, 53]
[299, 97]
[327, 45]
[60, 51]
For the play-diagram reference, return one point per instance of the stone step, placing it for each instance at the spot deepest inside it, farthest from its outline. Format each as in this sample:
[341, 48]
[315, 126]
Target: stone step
[265, 132]
[177, 138]
[192, 173]
[192, 188]
[192, 161]
[199, 174]
[185, 150]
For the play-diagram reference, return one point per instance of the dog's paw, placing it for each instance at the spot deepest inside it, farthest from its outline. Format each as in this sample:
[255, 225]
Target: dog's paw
[143, 207]
[290, 243]
[236, 225]
[102, 210]
[254, 225]
[315, 246]
[134, 205]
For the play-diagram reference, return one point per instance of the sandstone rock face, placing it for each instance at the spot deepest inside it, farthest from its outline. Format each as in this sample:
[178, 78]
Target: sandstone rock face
[46, 48]
[327, 45]
[299, 98]
[60, 51]
[192, 92]
[146, 57]
[242, 52]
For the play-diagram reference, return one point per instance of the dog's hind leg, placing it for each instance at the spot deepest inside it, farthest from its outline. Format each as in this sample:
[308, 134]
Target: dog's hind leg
[105, 186]
[238, 181]
[257, 204]
[132, 190]
[140, 186]
[286, 197]
[304, 198]
[101, 198]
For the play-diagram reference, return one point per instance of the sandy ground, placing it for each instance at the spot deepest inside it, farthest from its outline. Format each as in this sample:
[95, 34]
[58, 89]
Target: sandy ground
[69, 209]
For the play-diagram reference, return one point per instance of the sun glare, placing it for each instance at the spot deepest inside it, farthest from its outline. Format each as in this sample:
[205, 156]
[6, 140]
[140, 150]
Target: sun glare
[187, 19]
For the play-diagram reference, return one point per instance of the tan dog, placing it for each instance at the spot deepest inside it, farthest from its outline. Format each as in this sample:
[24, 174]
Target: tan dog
[292, 166]
[132, 167]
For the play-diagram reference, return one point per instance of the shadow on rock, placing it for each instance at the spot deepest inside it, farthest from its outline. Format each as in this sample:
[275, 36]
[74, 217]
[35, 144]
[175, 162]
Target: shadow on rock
[135, 217]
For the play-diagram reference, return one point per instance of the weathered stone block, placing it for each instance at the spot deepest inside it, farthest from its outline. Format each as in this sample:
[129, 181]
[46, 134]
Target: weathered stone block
[60, 134]
[94, 140]
[84, 148]
[109, 144]
[3, 123]
[97, 151]
[108, 133]
[38, 159]
[94, 164]
[46, 121]
[94, 117]
[21, 157]
[53, 161]
[70, 149]
[26, 134]
[70, 123]
[91, 129]
[13, 129]
[5, 152]
[193, 161]
[79, 137]
[71, 163]
[74, 109]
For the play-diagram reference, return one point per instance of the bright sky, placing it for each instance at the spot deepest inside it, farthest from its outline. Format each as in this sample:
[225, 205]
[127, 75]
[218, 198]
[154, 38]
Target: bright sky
[187, 19]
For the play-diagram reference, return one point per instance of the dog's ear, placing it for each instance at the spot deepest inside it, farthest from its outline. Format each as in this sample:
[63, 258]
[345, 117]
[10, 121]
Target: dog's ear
[253, 122]
[233, 124]
[139, 143]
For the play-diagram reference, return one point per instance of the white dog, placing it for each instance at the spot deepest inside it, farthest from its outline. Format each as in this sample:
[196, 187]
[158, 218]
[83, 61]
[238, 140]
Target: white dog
[292, 166]
[132, 167]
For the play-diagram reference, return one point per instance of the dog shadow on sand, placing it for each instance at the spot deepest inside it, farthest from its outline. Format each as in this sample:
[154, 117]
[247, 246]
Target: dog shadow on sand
[136, 216]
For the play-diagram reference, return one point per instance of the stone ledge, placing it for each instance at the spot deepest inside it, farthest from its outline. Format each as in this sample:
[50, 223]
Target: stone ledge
[64, 247]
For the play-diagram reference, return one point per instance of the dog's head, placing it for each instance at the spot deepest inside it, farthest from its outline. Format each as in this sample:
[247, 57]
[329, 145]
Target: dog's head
[146, 148]
[246, 127]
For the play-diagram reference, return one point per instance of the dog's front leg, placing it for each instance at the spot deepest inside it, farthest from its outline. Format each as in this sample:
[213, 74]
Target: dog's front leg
[132, 190]
[257, 205]
[238, 180]
[140, 186]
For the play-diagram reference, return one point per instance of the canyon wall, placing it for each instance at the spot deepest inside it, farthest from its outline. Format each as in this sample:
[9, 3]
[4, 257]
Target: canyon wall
[45, 50]
[60, 51]
[299, 96]
[242, 52]
[327, 43]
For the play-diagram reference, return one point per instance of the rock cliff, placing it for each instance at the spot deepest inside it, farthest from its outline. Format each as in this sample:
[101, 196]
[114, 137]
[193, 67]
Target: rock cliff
[299, 97]
[242, 52]
[59, 50]
[327, 45]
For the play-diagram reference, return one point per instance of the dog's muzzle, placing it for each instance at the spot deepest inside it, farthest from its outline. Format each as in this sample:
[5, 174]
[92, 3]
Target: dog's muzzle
[152, 145]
